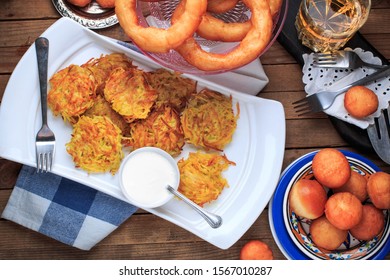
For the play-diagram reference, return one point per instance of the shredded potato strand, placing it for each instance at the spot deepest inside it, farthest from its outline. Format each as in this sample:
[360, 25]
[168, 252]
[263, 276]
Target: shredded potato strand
[208, 120]
[201, 177]
[95, 145]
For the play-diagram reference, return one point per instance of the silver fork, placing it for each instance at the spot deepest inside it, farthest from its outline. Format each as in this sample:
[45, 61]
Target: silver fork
[379, 134]
[323, 100]
[45, 140]
[341, 59]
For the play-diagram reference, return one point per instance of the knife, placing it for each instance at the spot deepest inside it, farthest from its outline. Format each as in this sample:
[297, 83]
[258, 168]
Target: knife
[379, 134]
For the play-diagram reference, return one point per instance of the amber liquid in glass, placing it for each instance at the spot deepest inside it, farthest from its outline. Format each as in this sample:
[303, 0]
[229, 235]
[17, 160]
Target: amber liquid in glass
[326, 25]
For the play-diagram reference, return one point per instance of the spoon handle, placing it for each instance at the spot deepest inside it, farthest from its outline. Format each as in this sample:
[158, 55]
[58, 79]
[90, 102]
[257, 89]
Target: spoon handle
[213, 220]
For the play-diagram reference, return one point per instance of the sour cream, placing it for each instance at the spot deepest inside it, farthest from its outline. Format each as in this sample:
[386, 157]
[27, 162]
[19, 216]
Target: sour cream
[145, 174]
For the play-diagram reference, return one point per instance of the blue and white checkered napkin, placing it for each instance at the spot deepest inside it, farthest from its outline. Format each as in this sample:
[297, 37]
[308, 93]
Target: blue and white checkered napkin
[62, 209]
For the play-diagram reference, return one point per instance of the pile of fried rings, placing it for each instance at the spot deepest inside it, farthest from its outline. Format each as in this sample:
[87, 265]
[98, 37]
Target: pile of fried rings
[196, 16]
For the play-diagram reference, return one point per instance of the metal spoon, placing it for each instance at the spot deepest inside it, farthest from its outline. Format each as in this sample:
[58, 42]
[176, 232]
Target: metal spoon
[213, 220]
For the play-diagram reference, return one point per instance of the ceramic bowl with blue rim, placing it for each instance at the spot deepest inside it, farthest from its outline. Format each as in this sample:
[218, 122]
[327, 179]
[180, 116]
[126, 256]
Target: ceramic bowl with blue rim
[291, 231]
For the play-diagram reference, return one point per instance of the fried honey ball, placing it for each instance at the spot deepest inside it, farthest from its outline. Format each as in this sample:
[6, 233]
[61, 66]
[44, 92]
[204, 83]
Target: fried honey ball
[371, 224]
[208, 120]
[256, 250]
[360, 102]
[343, 210]
[326, 235]
[201, 178]
[161, 129]
[95, 145]
[172, 88]
[378, 188]
[129, 93]
[357, 185]
[72, 92]
[331, 168]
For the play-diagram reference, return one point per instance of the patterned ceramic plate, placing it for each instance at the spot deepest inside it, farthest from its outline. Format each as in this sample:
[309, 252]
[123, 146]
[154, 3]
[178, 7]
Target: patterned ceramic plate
[91, 16]
[292, 232]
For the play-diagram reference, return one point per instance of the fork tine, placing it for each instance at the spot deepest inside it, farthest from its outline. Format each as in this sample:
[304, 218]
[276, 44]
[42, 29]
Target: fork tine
[39, 163]
[300, 102]
[320, 62]
[302, 106]
[304, 112]
[324, 56]
[49, 161]
[45, 161]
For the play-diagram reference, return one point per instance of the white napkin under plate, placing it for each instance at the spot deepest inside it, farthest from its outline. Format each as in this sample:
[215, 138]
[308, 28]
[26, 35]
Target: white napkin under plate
[320, 79]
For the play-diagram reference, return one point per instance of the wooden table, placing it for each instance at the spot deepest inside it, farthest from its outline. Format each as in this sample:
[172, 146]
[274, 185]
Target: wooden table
[21, 22]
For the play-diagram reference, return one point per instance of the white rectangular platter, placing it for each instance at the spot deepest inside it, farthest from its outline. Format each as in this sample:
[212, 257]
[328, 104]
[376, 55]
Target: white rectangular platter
[257, 147]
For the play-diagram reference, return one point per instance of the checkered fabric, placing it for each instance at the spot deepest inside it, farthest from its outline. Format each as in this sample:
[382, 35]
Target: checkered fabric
[62, 209]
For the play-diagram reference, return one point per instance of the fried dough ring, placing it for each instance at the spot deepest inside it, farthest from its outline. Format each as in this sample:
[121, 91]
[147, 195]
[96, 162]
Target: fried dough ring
[159, 40]
[212, 28]
[274, 6]
[106, 3]
[250, 47]
[220, 6]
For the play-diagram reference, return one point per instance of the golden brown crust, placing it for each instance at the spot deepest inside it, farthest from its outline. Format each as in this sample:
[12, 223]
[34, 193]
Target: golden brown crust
[220, 6]
[79, 3]
[129, 93]
[103, 66]
[102, 107]
[326, 235]
[254, 43]
[208, 121]
[357, 185]
[256, 250]
[161, 129]
[172, 88]
[378, 188]
[371, 224]
[106, 3]
[331, 168]
[95, 145]
[360, 102]
[158, 39]
[201, 178]
[343, 210]
[72, 92]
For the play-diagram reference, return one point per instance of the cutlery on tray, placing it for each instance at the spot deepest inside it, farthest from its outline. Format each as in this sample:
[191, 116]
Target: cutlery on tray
[379, 134]
[45, 140]
[341, 59]
[321, 101]
[213, 220]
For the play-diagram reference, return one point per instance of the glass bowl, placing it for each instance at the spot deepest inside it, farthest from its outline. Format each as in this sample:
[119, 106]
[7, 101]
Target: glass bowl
[159, 14]
[292, 231]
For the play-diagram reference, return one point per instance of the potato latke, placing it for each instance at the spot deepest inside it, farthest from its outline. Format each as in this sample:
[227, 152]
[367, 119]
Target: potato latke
[208, 121]
[72, 92]
[95, 145]
[201, 177]
[129, 93]
[102, 107]
[101, 67]
[161, 129]
[172, 88]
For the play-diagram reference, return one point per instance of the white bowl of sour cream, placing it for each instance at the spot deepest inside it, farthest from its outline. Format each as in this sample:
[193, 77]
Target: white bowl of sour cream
[145, 174]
